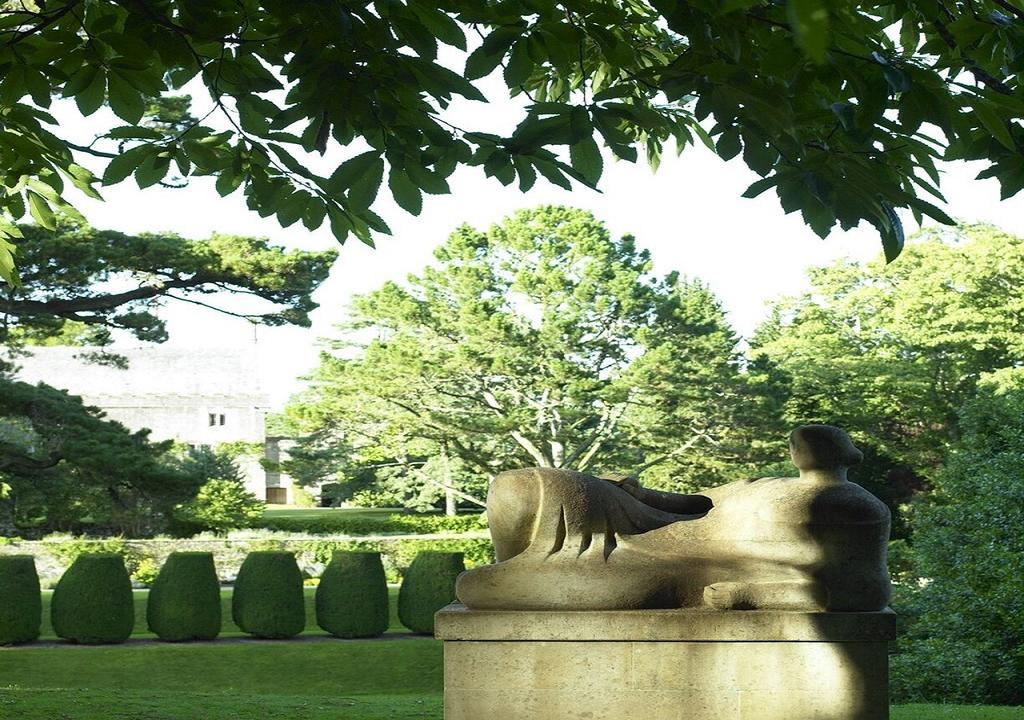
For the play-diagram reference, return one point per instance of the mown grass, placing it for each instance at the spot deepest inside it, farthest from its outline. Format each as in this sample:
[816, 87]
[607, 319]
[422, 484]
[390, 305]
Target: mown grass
[228, 627]
[394, 679]
[314, 513]
[398, 678]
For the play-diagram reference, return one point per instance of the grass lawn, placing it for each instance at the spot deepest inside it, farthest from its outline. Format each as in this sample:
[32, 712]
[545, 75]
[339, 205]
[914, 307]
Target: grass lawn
[399, 678]
[318, 512]
[228, 627]
[394, 679]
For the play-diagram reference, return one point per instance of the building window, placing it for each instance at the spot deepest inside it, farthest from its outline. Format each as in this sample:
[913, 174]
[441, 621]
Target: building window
[212, 419]
[221, 417]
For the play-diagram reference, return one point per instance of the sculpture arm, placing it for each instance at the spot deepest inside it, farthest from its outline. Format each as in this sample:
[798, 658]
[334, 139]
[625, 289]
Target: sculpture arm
[675, 503]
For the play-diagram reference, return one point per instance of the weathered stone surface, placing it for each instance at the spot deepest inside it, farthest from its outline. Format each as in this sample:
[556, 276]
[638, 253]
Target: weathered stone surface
[565, 540]
[457, 622]
[834, 668]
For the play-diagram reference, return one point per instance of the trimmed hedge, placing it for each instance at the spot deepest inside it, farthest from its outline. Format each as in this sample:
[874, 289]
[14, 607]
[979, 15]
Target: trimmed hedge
[341, 524]
[352, 597]
[21, 606]
[268, 600]
[92, 604]
[428, 585]
[184, 601]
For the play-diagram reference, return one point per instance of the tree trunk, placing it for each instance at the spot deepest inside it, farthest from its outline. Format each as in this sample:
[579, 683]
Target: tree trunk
[451, 508]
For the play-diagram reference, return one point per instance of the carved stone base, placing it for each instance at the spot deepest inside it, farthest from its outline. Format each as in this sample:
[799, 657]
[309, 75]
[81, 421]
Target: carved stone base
[664, 665]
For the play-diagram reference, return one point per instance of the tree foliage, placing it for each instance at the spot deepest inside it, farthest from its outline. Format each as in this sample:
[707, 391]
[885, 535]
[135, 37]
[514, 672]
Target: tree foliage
[966, 643]
[893, 352]
[842, 108]
[80, 283]
[63, 466]
[542, 341]
[222, 502]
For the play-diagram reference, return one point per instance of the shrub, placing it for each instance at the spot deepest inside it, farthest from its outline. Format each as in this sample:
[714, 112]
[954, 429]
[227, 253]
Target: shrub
[184, 603]
[221, 505]
[147, 571]
[92, 603]
[965, 645]
[21, 606]
[339, 523]
[268, 600]
[352, 597]
[428, 585]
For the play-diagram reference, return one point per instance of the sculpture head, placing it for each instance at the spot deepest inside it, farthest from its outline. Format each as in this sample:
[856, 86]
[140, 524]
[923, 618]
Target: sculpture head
[823, 451]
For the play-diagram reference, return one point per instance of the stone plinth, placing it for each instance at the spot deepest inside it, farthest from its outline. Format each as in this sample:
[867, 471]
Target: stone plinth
[664, 665]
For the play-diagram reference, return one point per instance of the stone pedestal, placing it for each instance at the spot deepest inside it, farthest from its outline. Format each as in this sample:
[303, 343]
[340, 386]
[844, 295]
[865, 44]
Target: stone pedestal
[664, 665]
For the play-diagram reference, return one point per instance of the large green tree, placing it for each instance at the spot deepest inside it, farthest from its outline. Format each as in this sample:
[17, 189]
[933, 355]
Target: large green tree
[541, 341]
[893, 352]
[842, 108]
[965, 642]
[63, 466]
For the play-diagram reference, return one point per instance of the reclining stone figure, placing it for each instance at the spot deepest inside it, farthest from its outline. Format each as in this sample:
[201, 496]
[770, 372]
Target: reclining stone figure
[569, 541]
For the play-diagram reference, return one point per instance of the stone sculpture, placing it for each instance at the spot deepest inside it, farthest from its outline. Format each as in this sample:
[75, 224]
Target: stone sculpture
[569, 541]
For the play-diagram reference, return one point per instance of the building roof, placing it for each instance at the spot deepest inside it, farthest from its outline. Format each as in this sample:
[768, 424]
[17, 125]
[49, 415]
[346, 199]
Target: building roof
[153, 371]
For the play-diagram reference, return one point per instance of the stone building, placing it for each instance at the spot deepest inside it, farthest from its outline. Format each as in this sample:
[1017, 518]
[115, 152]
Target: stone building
[200, 397]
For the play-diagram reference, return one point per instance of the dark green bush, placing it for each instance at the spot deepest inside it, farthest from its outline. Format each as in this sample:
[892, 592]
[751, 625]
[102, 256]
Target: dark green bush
[268, 601]
[339, 523]
[965, 645]
[21, 606]
[184, 601]
[428, 585]
[352, 598]
[92, 603]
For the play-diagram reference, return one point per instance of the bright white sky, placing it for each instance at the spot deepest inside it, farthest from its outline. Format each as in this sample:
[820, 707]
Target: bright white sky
[689, 215]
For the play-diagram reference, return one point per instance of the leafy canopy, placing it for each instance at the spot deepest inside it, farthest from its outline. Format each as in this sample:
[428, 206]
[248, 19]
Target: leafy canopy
[80, 282]
[965, 646]
[542, 341]
[842, 108]
[894, 352]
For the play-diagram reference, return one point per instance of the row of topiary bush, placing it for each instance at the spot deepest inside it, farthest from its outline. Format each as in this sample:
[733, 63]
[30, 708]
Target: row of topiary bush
[144, 557]
[397, 524]
[93, 601]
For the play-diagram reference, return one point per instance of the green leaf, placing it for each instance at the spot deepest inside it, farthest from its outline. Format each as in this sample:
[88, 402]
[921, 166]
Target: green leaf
[440, 25]
[227, 182]
[892, 234]
[810, 22]
[585, 157]
[124, 164]
[759, 187]
[90, 98]
[340, 225]
[991, 121]
[426, 180]
[151, 171]
[352, 169]
[314, 214]
[931, 211]
[126, 102]
[484, 59]
[845, 112]
[519, 66]
[405, 192]
[41, 211]
[552, 173]
[7, 271]
[729, 144]
[364, 190]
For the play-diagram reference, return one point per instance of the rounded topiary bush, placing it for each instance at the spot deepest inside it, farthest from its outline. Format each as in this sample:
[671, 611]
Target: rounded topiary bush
[21, 605]
[428, 585]
[184, 601]
[352, 597]
[92, 603]
[268, 600]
